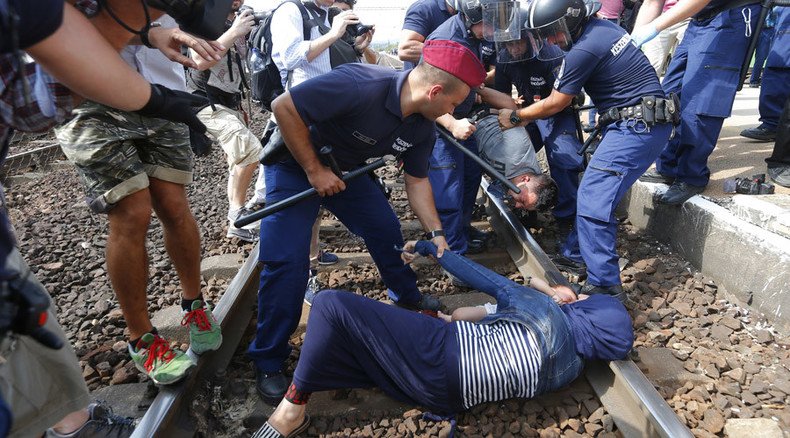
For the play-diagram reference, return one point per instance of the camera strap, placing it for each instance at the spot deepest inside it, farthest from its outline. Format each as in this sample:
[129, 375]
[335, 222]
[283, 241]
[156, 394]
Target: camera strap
[145, 29]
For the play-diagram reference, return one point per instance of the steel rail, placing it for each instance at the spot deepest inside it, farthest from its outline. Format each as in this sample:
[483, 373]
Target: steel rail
[168, 415]
[38, 157]
[628, 396]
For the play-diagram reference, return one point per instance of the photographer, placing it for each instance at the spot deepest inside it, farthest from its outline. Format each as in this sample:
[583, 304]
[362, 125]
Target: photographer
[222, 81]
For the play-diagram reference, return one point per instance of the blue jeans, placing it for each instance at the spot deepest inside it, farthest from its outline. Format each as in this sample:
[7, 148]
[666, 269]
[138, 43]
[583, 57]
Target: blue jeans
[527, 306]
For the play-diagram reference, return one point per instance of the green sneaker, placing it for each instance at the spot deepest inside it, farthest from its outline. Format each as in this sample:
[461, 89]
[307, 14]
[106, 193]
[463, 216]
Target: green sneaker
[163, 364]
[205, 334]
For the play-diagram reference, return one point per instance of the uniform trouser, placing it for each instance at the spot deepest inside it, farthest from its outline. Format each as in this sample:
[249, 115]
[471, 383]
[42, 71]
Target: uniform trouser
[562, 146]
[781, 153]
[455, 180]
[704, 71]
[760, 54]
[356, 342]
[285, 243]
[774, 91]
[622, 157]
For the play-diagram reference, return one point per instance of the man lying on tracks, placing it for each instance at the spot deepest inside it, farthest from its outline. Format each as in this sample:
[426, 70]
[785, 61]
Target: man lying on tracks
[361, 111]
[530, 346]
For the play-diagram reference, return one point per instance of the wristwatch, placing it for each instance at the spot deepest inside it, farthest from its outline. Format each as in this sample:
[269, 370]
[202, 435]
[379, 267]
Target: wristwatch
[431, 234]
[514, 118]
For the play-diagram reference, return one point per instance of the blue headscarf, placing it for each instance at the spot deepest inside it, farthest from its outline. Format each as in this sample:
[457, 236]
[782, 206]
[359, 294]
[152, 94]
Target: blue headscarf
[601, 327]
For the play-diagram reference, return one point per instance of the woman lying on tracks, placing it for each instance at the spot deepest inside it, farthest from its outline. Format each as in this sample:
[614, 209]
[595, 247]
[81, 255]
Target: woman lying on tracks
[530, 346]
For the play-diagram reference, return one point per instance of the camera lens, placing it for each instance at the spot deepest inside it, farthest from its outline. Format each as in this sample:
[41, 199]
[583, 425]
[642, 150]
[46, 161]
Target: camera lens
[359, 29]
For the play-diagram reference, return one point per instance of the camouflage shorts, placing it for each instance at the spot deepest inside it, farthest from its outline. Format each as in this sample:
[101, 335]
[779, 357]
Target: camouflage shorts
[116, 152]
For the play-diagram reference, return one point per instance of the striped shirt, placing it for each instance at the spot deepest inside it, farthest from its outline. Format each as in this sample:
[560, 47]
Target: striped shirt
[289, 49]
[497, 361]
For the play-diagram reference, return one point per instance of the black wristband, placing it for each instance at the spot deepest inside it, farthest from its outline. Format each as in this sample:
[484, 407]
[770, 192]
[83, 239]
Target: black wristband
[144, 35]
[431, 234]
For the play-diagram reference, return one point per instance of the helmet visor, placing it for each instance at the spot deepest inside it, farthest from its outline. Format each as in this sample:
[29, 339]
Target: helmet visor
[502, 21]
[516, 51]
[554, 40]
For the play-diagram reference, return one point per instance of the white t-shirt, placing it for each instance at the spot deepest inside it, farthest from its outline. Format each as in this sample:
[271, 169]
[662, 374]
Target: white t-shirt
[153, 65]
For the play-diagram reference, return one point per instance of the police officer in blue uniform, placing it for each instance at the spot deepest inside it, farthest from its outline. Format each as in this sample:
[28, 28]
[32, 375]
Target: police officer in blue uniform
[704, 71]
[362, 111]
[422, 18]
[455, 178]
[599, 56]
[774, 93]
[776, 87]
[534, 80]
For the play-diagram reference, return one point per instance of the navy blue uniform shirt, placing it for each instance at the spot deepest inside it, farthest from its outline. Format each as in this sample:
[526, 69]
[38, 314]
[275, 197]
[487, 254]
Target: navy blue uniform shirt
[355, 108]
[423, 17]
[609, 66]
[531, 78]
[454, 29]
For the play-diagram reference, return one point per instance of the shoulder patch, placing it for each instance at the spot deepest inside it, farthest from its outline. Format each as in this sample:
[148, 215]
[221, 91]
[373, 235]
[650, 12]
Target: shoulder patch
[620, 44]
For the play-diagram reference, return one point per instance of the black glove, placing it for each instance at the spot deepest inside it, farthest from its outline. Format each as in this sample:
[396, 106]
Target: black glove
[201, 145]
[175, 106]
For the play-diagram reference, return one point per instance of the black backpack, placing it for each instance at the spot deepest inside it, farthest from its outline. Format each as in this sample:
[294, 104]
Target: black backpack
[265, 81]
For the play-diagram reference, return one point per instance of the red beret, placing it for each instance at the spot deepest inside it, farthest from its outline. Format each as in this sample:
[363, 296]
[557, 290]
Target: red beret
[456, 59]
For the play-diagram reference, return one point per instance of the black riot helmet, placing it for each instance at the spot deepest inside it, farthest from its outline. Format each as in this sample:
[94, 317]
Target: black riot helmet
[504, 23]
[453, 4]
[556, 23]
[472, 11]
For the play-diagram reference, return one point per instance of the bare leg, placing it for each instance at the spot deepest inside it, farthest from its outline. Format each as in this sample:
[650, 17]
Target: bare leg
[238, 183]
[72, 422]
[287, 417]
[182, 239]
[127, 259]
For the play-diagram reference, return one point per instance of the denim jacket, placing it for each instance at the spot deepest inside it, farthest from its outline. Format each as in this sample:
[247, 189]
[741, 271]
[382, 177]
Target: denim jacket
[524, 305]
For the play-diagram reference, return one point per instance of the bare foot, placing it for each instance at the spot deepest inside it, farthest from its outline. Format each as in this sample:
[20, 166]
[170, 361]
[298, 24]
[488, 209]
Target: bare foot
[287, 417]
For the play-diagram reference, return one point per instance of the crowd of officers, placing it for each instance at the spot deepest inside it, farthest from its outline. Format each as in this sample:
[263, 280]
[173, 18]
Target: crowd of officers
[463, 62]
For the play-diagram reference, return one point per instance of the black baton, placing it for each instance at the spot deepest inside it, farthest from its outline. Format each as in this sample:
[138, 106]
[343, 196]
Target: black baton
[486, 167]
[766, 6]
[287, 202]
[590, 139]
[326, 153]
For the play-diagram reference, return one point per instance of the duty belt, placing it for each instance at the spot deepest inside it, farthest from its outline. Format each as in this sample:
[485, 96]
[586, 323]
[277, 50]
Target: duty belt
[650, 111]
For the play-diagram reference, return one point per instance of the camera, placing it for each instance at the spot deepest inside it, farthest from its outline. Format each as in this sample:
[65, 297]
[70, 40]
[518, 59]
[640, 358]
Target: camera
[204, 18]
[358, 29]
[256, 16]
[755, 185]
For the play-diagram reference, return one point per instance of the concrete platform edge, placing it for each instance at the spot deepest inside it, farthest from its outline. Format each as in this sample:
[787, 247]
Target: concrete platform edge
[751, 263]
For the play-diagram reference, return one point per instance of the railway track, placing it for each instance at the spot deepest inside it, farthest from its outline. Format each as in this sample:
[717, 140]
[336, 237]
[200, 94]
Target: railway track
[635, 406]
[33, 158]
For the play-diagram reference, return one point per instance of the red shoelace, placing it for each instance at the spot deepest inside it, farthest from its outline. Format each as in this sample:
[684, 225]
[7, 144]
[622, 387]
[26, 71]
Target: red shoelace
[198, 316]
[158, 349]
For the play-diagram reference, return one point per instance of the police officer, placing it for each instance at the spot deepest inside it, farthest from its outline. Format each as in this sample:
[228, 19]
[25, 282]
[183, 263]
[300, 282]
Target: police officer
[774, 93]
[455, 178]
[362, 111]
[704, 71]
[422, 18]
[534, 79]
[599, 56]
